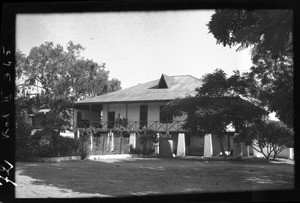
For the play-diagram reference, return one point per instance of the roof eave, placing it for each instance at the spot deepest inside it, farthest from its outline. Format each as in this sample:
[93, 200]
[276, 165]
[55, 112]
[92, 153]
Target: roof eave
[122, 102]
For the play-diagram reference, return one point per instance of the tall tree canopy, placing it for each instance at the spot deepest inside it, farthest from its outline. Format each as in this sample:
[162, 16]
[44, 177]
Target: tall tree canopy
[61, 77]
[59, 72]
[269, 33]
[221, 102]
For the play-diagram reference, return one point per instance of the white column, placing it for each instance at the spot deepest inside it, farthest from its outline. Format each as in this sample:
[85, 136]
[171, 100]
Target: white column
[181, 145]
[78, 133]
[291, 154]
[108, 139]
[170, 142]
[157, 144]
[91, 136]
[132, 140]
[112, 142]
[208, 149]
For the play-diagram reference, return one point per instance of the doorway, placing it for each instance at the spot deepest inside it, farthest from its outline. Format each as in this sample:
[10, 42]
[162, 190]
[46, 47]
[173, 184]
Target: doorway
[111, 119]
[143, 115]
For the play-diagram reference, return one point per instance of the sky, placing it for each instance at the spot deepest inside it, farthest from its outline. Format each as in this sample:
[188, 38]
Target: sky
[136, 47]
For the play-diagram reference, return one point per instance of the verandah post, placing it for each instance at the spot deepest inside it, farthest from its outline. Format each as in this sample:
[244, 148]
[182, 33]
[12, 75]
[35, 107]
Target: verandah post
[208, 148]
[120, 143]
[181, 144]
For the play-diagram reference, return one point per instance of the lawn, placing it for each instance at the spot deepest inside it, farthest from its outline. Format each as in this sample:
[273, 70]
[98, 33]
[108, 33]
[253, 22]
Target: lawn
[131, 177]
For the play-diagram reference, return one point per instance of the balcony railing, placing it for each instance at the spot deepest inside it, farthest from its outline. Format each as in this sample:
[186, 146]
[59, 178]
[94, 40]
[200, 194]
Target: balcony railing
[156, 126]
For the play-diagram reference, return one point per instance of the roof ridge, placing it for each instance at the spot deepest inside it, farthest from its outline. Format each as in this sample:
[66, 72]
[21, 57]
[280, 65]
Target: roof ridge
[185, 75]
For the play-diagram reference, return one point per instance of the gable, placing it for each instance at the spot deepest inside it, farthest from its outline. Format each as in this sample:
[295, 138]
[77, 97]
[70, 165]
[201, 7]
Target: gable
[165, 81]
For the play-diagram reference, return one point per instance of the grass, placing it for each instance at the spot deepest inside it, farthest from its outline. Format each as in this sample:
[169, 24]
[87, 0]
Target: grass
[130, 177]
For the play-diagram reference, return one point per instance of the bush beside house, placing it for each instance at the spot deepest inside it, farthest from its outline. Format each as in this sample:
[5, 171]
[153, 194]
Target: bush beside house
[41, 144]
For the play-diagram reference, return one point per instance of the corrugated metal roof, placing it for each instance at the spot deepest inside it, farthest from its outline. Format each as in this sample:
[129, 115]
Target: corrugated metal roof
[179, 86]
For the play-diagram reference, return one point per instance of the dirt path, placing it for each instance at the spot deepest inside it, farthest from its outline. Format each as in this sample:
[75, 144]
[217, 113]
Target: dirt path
[28, 189]
[135, 177]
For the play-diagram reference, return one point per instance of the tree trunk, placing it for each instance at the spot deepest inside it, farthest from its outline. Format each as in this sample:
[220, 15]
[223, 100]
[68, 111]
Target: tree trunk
[222, 147]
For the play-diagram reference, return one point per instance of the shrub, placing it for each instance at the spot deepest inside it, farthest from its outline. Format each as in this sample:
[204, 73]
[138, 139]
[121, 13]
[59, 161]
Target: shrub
[46, 144]
[83, 145]
[23, 131]
[273, 136]
[134, 150]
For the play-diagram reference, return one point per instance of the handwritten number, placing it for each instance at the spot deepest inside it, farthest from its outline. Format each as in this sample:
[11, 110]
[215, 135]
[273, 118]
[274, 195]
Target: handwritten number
[5, 52]
[5, 98]
[7, 172]
[9, 62]
[7, 75]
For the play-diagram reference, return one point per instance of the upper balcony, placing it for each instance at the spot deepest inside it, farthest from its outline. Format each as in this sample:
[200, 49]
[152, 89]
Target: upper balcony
[156, 126]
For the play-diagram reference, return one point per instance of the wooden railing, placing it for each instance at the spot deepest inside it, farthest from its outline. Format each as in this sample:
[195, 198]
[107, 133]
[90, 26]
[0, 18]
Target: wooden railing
[156, 126]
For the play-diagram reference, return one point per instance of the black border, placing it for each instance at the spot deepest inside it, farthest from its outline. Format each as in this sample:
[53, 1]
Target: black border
[12, 8]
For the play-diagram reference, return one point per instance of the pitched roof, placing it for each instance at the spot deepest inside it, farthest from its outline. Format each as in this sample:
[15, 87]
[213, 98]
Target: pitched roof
[164, 89]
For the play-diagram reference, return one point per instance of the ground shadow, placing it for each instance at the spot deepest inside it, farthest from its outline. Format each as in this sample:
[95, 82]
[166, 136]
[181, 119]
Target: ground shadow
[158, 176]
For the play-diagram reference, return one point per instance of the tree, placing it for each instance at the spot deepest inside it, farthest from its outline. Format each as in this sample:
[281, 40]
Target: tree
[270, 34]
[23, 131]
[60, 78]
[268, 137]
[276, 87]
[217, 105]
[61, 72]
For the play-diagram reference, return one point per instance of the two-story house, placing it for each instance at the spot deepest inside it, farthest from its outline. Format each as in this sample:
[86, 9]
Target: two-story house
[142, 107]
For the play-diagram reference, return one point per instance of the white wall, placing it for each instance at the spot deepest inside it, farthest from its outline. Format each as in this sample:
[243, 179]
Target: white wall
[117, 108]
[133, 111]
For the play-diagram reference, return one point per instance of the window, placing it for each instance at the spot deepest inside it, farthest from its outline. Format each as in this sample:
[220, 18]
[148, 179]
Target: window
[164, 117]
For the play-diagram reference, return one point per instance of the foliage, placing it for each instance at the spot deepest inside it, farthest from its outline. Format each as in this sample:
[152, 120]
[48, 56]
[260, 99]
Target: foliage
[58, 78]
[270, 34]
[276, 87]
[58, 72]
[268, 31]
[273, 136]
[84, 148]
[135, 150]
[220, 102]
[44, 144]
[61, 77]
[23, 131]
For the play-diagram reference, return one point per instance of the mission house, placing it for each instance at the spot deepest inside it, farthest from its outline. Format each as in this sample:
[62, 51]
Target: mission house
[141, 107]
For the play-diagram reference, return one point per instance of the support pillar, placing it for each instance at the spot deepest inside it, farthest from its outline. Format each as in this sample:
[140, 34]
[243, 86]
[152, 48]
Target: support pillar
[91, 144]
[108, 138]
[208, 148]
[181, 145]
[112, 142]
[77, 134]
[157, 144]
[132, 140]
[291, 154]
